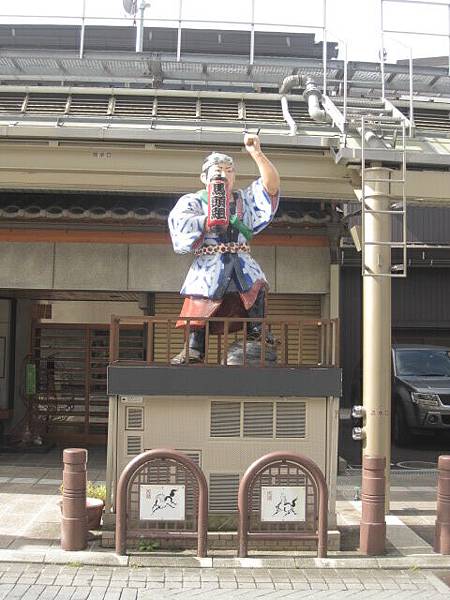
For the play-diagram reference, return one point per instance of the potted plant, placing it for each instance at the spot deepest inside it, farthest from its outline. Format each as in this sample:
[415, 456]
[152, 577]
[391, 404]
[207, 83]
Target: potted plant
[95, 502]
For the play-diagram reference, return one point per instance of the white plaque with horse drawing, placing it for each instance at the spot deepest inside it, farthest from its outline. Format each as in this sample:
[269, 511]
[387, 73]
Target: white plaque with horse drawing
[283, 503]
[162, 502]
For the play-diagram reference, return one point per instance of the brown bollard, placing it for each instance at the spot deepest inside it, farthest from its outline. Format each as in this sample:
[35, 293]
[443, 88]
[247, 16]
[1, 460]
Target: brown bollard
[372, 534]
[74, 514]
[442, 528]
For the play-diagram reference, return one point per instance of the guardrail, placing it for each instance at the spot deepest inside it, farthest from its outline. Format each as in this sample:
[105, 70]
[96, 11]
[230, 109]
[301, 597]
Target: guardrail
[284, 341]
[86, 13]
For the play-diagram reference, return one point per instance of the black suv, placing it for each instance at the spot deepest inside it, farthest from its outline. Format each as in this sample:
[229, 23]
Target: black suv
[420, 390]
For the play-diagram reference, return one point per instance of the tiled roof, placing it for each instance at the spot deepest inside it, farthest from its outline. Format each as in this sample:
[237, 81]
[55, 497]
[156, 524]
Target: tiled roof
[153, 212]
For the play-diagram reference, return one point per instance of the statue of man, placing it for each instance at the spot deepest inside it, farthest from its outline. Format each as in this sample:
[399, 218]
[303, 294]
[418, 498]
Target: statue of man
[224, 279]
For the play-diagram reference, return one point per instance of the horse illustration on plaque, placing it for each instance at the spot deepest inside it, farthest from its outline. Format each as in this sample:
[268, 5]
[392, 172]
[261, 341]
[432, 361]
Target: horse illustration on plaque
[162, 502]
[283, 503]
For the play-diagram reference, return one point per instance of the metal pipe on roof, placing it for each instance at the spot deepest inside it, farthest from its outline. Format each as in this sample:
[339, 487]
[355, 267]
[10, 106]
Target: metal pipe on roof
[140, 27]
[287, 84]
[82, 30]
[313, 96]
[287, 116]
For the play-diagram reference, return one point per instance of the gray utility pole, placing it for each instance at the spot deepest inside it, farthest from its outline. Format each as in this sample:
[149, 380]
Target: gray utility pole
[376, 353]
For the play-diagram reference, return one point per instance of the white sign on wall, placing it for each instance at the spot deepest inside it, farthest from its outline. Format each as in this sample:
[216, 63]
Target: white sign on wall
[283, 503]
[162, 502]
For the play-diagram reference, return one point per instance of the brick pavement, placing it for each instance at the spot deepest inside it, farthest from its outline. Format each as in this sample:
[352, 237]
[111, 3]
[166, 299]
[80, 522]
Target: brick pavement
[72, 582]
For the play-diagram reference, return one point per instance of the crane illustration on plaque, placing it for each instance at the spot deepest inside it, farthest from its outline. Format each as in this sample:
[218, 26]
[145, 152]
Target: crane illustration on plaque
[162, 503]
[287, 503]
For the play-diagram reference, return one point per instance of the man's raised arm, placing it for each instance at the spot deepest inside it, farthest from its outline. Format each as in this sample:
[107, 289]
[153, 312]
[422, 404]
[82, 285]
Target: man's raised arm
[269, 174]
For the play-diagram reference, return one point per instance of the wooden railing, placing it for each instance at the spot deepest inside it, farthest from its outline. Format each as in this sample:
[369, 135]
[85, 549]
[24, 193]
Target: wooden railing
[297, 342]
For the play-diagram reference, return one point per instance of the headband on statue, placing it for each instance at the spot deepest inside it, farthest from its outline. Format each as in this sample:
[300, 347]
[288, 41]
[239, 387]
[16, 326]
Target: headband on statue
[216, 158]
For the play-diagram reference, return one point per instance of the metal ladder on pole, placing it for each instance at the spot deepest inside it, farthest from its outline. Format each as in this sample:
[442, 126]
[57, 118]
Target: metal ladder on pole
[397, 204]
[380, 119]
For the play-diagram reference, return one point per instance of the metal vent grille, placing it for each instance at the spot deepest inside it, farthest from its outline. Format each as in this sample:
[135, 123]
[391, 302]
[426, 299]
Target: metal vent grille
[225, 419]
[264, 111]
[223, 492]
[258, 419]
[291, 419]
[300, 114]
[194, 455]
[89, 105]
[220, 110]
[430, 120]
[135, 107]
[134, 418]
[11, 103]
[134, 444]
[46, 104]
[177, 108]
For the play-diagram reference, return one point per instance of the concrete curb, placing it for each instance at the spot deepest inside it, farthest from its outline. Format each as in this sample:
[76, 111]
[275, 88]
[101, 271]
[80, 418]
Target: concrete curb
[110, 559]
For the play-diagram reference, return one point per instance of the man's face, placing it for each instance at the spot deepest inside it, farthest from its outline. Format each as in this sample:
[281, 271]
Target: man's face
[225, 169]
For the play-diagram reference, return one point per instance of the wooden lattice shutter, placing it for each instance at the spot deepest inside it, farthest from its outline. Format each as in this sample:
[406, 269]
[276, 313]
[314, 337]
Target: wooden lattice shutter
[167, 305]
[296, 306]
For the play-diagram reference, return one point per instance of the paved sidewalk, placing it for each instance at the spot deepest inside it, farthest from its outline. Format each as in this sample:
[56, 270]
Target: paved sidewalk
[30, 525]
[30, 518]
[71, 582]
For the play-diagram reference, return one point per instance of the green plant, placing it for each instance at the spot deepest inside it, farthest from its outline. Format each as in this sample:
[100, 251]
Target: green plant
[96, 490]
[148, 546]
[93, 490]
[222, 523]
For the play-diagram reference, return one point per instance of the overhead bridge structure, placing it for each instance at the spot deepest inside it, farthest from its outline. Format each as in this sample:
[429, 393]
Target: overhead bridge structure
[113, 133]
[81, 115]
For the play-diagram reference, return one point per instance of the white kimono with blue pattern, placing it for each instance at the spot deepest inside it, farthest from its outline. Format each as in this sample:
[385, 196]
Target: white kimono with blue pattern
[209, 275]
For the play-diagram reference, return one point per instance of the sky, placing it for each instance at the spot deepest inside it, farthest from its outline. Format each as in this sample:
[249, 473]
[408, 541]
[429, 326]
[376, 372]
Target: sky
[354, 23]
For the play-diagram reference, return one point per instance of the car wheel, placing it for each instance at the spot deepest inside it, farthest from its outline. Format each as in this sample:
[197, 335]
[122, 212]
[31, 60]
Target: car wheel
[401, 433]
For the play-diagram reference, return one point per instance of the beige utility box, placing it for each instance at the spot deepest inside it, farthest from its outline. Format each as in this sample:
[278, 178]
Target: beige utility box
[224, 435]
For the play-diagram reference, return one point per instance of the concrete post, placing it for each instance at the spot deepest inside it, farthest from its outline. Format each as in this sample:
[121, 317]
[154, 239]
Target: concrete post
[442, 529]
[376, 331]
[74, 515]
[373, 524]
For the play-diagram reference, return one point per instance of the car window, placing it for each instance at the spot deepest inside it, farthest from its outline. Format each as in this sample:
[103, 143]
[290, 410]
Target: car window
[422, 362]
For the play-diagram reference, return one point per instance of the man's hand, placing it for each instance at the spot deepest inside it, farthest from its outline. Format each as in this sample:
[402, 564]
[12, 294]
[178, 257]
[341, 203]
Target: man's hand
[269, 174]
[252, 143]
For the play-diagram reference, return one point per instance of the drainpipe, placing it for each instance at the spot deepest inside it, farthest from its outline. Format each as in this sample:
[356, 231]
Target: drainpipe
[286, 86]
[372, 140]
[313, 96]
